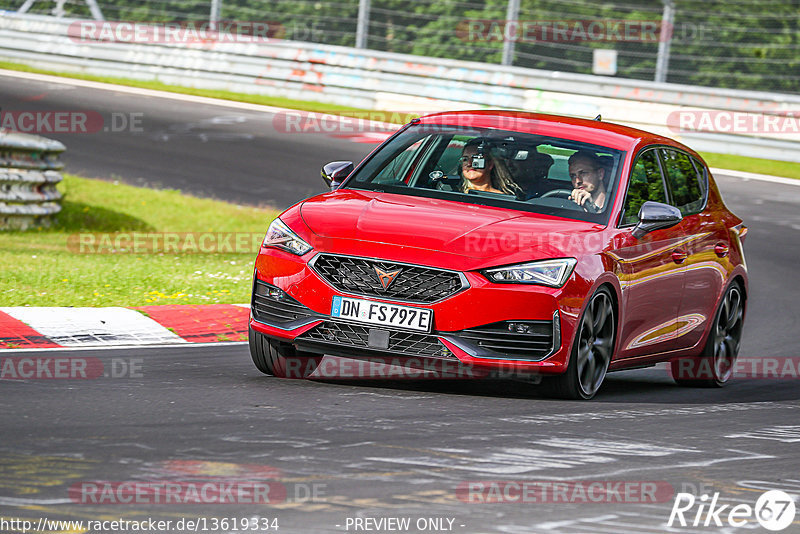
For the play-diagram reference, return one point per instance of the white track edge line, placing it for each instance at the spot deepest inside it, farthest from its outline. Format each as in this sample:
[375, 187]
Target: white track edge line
[180, 96]
[141, 91]
[753, 176]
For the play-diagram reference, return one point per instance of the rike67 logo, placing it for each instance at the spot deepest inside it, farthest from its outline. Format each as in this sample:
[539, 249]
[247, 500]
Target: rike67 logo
[774, 510]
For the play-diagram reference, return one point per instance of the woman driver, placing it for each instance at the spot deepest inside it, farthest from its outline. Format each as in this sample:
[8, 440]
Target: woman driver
[494, 177]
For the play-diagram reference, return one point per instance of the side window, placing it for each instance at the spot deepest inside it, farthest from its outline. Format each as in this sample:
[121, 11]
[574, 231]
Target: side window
[646, 183]
[684, 182]
[450, 160]
[398, 168]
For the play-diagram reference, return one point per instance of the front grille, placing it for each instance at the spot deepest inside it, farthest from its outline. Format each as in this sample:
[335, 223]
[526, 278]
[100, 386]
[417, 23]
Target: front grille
[413, 283]
[272, 310]
[496, 337]
[401, 343]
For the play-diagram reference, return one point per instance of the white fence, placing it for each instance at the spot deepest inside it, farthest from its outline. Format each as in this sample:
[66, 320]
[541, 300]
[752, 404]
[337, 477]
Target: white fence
[752, 124]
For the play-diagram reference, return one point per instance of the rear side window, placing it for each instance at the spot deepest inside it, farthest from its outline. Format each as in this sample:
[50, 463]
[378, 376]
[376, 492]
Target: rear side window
[646, 183]
[685, 183]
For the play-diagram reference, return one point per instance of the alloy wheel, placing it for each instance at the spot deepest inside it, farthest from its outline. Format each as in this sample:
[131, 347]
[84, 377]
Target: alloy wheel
[595, 343]
[728, 334]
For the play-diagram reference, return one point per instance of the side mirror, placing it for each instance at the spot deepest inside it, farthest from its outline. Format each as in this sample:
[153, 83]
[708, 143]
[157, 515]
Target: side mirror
[334, 173]
[655, 215]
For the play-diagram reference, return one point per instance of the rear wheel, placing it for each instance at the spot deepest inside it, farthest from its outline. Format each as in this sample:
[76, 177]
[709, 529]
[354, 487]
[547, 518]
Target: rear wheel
[272, 357]
[714, 366]
[591, 351]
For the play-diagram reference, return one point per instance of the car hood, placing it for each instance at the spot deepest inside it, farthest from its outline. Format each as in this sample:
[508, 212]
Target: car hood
[479, 232]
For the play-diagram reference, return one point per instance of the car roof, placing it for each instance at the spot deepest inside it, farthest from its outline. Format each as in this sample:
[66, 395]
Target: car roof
[590, 131]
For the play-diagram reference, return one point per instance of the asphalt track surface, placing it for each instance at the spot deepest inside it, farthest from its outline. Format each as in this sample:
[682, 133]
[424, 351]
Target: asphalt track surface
[227, 153]
[384, 449]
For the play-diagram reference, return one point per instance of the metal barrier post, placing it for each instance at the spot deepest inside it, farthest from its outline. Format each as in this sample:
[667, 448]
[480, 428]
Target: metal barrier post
[213, 17]
[362, 30]
[665, 40]
[508, 43]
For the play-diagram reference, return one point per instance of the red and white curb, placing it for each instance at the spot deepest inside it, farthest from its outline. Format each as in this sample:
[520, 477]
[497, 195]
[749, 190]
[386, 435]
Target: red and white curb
[41, 327]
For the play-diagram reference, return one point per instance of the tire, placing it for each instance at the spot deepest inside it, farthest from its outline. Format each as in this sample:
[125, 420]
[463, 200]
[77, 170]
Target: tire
[714, 366]
[592, 351]
[280, 359]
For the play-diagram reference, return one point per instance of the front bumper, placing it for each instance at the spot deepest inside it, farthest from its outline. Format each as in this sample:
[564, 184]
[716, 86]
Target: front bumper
[292, 303]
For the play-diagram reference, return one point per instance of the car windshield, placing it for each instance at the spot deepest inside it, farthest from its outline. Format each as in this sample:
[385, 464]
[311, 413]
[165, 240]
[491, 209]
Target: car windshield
[500, 168]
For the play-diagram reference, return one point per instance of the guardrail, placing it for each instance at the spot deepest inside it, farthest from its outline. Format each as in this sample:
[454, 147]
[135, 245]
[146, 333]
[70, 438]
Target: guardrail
[394, 82]
[29, 168]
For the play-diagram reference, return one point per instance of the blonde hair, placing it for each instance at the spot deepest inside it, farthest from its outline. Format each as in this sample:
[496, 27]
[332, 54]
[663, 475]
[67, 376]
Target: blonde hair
[500, 177]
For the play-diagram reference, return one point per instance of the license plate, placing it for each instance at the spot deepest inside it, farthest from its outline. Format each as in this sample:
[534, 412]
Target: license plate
[367, 311]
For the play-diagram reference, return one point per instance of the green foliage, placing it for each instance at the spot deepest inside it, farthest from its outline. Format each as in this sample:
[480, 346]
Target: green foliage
[683, 181]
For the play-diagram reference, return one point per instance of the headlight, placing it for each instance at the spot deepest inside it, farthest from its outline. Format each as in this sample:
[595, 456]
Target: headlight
[553, 273]
[280, 236]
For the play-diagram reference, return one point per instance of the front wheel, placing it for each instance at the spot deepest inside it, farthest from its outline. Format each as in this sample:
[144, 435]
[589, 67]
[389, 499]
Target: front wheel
[714, 366]
[591, 351]
[280, 359]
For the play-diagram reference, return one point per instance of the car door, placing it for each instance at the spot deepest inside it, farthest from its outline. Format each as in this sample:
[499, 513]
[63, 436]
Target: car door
[650, 278]
[706, 244]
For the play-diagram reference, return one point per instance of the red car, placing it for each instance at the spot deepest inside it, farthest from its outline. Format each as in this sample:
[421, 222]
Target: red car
[559, 248]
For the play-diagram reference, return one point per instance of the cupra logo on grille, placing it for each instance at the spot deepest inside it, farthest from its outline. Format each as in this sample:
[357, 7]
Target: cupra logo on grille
[385, 278]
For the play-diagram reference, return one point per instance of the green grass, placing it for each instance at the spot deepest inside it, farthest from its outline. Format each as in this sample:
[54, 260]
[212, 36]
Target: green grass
[758, 166]
[45, 267]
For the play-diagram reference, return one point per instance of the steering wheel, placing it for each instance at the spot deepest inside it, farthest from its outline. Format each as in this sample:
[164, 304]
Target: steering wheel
[591, 207]
[554, 192]
[588, 206]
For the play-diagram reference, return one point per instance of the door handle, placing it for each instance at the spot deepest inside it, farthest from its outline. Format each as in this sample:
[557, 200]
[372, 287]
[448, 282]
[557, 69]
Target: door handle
[721, 250]
[679, 256]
